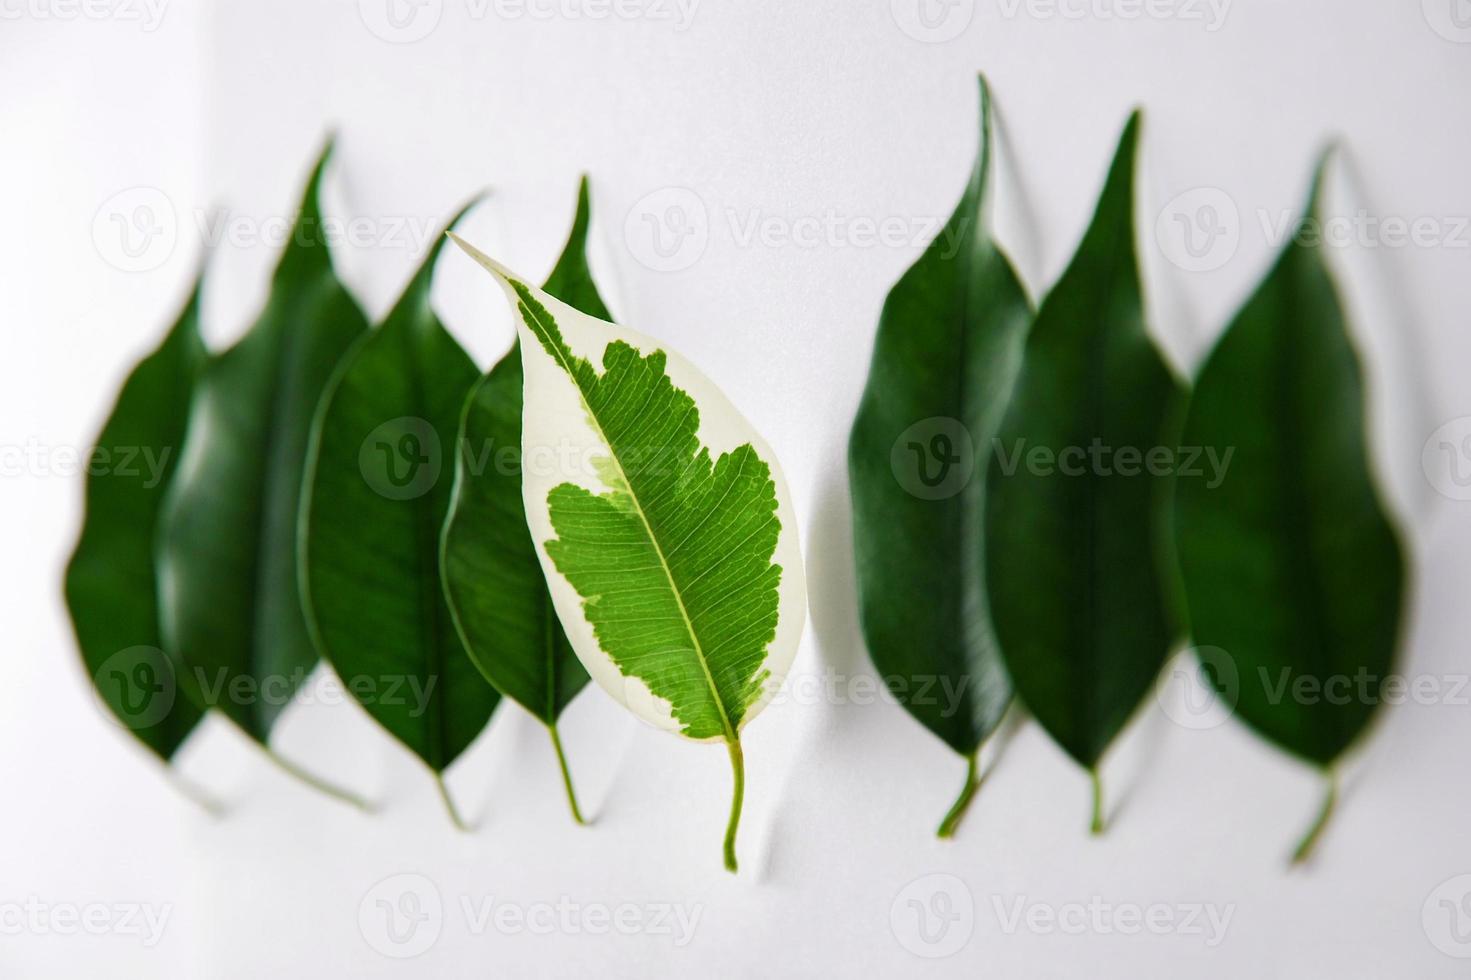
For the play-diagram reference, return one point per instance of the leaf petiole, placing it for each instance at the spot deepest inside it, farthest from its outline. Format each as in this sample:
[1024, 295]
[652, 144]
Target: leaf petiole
[962, 803]
[1097, 825]
[1330, 800]
[566, 774]
[195, 793]
[449, 803]
[738, 767]
[316, 782]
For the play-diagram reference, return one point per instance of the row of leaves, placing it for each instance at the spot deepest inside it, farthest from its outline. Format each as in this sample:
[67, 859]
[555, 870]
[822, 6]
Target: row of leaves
[1068, 592]
[306, 518]
[298, 523]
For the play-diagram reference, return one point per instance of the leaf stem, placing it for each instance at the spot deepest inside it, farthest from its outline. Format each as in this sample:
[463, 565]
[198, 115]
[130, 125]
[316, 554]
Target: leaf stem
[449, 803]
[1096, 827]
[738, 767]
[566, 774]
[1330, 800]
[962, 803]
[194, 793]
[316, 782]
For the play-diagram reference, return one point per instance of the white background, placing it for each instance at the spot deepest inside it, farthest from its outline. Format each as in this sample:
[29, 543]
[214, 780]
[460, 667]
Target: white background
[797, 114]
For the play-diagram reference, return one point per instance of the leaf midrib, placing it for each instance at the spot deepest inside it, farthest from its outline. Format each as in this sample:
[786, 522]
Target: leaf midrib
[1298, 511]
[1097, 410]
[532, 319]
[427, 528]
[281, 354]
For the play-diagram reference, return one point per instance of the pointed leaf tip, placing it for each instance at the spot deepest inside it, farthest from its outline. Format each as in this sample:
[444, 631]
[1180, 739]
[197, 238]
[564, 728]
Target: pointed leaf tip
[311, 197]
[505, 276]
[424, 276]
[1320, 175]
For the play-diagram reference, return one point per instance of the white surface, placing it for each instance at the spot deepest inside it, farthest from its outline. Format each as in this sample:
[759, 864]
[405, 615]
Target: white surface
[795, 114]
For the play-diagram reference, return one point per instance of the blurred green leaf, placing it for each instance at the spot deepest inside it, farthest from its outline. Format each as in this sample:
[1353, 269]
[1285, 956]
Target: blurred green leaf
[948, 348]
[110, 585]
[1292, 570]
[228, 570]
[1075, 568]
[377, 491]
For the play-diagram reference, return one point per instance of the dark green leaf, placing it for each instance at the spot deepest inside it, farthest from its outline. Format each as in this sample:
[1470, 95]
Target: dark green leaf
[1290, 565]
[492, 575]
[110, 586]
[1074, 567]
[228, 570]
[948, 348]
[376, 495]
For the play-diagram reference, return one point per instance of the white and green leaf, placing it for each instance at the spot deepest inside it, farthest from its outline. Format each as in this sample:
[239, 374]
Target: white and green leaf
[662, 523]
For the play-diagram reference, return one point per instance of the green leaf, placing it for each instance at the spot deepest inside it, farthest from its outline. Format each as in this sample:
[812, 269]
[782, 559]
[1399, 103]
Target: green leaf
[492, 576]
[376, 494]
[110, 587]
[1290, 565]
[230, 596]
[948, 349]
[1075, 567]
[675, 572]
